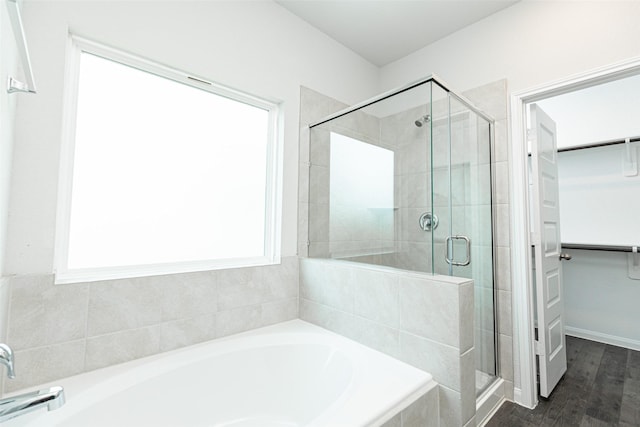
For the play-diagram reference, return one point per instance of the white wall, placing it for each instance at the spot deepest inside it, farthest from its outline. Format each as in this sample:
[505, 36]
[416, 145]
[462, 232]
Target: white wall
[8, 63]
[599, 205]
[599, 113]
[530, 43]
[8, 66]
[601, 301]
[257, 47]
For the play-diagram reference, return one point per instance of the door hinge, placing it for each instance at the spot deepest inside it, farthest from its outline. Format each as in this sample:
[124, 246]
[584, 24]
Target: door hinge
[537, 347]
[535, 239]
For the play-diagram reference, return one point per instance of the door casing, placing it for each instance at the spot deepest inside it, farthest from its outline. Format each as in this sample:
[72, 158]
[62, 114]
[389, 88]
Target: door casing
[522, 282]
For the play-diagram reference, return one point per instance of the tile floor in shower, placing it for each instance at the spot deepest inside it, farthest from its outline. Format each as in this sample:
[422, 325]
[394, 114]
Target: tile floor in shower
[600, 388]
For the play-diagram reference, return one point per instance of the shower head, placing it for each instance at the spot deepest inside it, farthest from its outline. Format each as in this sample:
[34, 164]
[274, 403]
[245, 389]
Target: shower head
[422, 120]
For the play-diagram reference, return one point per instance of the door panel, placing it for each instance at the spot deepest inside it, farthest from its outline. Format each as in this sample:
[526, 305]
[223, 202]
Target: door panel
[547, 246]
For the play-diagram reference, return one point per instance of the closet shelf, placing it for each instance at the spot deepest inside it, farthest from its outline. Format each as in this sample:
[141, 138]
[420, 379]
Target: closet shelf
[610, 248]
[598, 144]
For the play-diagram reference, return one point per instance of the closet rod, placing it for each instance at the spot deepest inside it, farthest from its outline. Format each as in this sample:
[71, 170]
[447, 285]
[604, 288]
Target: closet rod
[598, 144]
[610, 248]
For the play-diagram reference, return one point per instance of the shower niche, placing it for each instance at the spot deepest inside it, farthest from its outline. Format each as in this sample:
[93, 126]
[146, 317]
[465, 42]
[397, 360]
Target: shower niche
[404, 181]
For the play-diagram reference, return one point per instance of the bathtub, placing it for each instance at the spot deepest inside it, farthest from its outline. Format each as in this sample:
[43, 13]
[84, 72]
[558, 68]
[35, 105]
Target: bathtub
[286, 375]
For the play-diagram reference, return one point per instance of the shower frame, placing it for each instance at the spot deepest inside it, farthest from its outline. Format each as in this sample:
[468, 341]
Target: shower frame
[431, 78]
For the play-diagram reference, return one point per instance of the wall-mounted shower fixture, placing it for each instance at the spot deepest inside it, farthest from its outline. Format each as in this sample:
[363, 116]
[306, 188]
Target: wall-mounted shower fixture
[422, 120]
[428, 221]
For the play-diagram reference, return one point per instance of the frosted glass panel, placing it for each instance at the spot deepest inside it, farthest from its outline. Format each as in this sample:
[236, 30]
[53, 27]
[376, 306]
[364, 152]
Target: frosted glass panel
[361, 197]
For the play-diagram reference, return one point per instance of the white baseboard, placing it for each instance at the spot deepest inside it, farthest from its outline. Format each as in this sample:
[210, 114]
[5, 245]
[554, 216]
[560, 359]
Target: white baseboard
[517, 398]
[603, 338]
[517, 395]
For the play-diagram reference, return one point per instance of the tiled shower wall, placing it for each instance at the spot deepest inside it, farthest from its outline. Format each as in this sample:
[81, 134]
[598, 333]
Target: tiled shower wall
[412, 187]
[62, 330]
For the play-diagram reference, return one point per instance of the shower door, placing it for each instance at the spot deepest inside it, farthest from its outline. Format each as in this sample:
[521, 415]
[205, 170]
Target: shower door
[462, 192]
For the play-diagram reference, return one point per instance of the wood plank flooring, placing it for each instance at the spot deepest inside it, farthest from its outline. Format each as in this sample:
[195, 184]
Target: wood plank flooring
[600, 388]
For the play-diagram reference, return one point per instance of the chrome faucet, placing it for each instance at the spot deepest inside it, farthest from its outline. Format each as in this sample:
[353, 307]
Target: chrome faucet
[6, 358]
[11, 407]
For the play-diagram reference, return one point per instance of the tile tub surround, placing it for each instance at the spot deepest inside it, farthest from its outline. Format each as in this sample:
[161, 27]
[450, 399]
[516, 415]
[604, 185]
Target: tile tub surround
[421, 413]
[61, 330]
[424, 320]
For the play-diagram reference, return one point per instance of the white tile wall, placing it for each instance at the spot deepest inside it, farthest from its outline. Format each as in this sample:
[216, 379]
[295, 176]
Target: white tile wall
[44, 364]
[62, 330]
[411, 316]
[41, 314]
[421, 413]
[440, 360]
[121, 304]
[122, 346]
[184, 332]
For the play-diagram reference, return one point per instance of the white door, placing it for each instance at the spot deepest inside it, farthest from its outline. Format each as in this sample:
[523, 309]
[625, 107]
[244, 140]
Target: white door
[550, 346]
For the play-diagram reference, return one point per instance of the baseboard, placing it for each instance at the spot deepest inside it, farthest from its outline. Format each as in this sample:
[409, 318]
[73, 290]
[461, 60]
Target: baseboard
[517, 395]
[603, 338]
[517, 398]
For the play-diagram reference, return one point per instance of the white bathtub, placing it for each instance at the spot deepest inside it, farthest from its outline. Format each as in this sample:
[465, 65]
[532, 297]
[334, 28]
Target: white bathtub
[286, 375]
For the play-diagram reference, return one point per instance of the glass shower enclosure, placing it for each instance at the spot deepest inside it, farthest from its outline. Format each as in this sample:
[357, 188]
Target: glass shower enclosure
[404, 180]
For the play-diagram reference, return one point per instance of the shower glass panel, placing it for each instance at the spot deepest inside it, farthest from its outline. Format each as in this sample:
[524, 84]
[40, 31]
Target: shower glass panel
[404, 181]
[369, 183]
[470, 204]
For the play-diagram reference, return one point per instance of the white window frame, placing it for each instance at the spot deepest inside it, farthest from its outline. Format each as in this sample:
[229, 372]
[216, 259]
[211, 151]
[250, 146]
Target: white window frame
[273, 188]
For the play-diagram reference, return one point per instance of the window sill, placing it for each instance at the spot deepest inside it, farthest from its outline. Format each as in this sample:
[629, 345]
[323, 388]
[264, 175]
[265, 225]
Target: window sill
[128, 272]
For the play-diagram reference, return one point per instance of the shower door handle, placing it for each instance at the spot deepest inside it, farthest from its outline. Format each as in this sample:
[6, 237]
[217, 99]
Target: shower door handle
[449, 244]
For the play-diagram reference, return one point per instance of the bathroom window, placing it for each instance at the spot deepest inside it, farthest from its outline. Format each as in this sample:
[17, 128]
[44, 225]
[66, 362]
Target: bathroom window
[162, 172]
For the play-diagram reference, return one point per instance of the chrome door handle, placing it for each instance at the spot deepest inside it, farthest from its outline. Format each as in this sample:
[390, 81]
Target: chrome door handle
[449, 259]
[564, 256]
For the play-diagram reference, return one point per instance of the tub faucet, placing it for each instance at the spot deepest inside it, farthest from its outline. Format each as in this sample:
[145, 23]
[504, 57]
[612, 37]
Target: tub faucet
[11, 407]
[6, 358]
[14, 406]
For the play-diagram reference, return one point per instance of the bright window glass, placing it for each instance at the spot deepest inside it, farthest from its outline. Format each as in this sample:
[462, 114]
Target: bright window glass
[164, 172]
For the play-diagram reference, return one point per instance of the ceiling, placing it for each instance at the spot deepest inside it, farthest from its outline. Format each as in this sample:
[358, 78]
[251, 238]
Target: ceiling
[382, 31]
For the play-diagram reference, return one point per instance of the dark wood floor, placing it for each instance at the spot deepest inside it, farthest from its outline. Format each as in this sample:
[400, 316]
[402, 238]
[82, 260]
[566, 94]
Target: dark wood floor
[600, 388]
